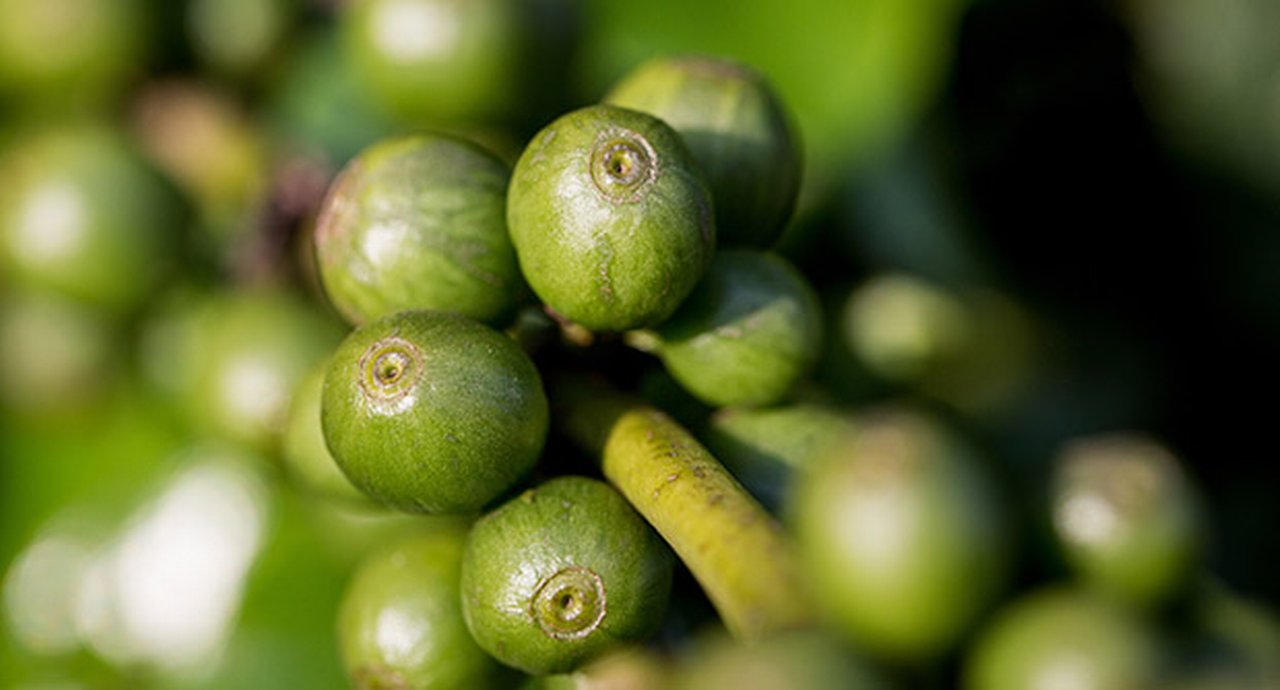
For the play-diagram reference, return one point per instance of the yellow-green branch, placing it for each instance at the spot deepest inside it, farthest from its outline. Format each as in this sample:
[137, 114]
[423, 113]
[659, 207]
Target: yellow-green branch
[737, 551]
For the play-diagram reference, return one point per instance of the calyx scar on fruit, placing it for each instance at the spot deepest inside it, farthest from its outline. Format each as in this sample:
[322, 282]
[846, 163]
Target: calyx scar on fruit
[611, 219]
[432, 412]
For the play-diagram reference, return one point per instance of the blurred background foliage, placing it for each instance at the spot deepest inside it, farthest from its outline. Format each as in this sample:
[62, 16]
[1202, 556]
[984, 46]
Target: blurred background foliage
[1048, 218]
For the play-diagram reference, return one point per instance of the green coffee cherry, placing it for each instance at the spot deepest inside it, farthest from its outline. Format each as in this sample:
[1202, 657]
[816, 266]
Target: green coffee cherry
[747, 334]
[855, 73]
[799, 660]
[767, 448]
[307, 459]
[734, 124]
[1062, 638]
[83, 216]
[70, 49]
[1126, 517]
[240, 356]
[610, 218]
[432, 412]
[400, 624]
[437, 60]
[561, 574]
[905, 329]
[901, 536]
[419, 223]
[238, 36]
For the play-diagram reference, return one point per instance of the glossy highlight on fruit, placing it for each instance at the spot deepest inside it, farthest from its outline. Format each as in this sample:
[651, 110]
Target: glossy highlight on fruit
[561, 574]
[735, 126]
[747, 334]
[432, 412]
[419, 223]
[400, 625]
[611, 219]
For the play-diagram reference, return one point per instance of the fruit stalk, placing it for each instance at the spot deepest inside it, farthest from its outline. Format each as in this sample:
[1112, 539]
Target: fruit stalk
[738, 553]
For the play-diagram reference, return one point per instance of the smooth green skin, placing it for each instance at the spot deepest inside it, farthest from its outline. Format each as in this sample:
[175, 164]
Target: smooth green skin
[734, 124]
[437, 60]
[82, 215]
[901, 536]
[238, 36]
[1126, 518]
[419, 223]
[448, 439]
[747, 334]
[307, 459]
[568, 522]
[1062, 638]
[798, 660]
[400, 625]
[70, 49]
[609, 261]
[244, 354]
[766, 448]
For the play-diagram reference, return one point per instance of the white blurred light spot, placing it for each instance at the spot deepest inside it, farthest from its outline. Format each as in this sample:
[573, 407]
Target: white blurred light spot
[1088, 519]
[168, 592]
[409, 30]
[95, 611]
[40, 592]
[399, 634]
[256, 390]
[878, 524]
[382, 242]
[1064, 673]
[51, 224]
